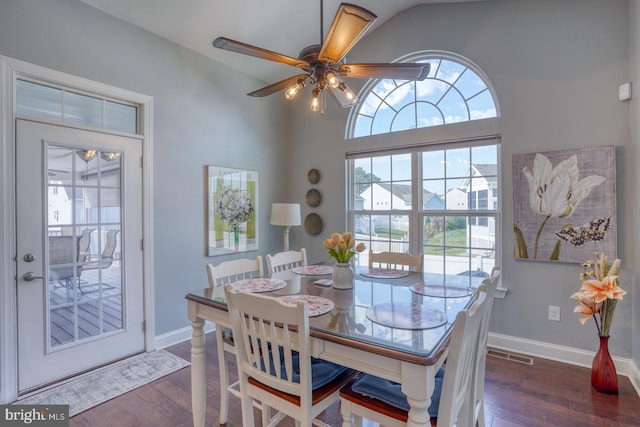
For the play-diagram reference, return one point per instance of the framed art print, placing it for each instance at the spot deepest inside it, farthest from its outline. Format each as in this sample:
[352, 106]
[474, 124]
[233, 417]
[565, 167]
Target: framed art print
[564, 204]
[232, 210]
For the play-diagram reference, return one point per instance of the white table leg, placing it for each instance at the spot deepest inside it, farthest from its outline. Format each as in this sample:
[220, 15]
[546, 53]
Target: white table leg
[198, 372]
[418, 383]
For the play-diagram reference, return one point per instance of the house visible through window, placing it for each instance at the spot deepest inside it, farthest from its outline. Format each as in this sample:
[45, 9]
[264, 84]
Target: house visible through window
[433, 200]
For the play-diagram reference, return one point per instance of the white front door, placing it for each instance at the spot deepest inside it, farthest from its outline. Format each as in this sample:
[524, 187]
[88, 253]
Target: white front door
[79, 263]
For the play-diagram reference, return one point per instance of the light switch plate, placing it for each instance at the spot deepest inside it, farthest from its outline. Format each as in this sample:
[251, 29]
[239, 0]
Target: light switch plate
[624, 92]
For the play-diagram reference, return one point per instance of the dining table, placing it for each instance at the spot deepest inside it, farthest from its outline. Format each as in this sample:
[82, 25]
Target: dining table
[395, 325]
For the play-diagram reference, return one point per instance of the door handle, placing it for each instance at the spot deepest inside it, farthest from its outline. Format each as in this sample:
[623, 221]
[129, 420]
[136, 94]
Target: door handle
[29, 277]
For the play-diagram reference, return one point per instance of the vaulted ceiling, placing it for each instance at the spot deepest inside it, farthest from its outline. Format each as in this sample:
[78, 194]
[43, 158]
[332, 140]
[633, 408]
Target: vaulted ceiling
[283, 26]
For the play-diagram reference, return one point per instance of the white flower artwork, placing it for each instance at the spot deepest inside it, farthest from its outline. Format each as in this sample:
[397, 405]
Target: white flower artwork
[232, 218]
[564, 204]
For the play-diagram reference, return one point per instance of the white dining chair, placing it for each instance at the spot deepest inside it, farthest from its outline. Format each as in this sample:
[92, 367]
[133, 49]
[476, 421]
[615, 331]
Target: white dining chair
[224, 273]
[396, 260]
[383, 402]
[274, 360]
[286, 261]
[477, 391]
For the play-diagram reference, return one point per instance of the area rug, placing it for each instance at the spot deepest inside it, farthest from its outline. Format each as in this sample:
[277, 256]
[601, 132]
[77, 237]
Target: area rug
[105, 383]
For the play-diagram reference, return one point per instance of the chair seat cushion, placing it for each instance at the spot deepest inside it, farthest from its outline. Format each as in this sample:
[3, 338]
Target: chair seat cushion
[322, 372]
[389, 392]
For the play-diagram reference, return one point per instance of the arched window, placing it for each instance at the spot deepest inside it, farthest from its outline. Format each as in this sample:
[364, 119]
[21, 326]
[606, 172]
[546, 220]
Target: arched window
[456, 90]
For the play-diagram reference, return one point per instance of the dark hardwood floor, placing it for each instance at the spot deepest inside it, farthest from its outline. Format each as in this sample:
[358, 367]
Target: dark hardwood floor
[545, 394]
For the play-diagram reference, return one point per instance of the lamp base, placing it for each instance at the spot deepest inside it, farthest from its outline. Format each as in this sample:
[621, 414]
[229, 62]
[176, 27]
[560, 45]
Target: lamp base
[285, 232]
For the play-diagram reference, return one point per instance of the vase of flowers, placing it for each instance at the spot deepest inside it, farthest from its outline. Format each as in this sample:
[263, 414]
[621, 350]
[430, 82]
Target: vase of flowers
[235, 208]
[342, 247]
[598, 297]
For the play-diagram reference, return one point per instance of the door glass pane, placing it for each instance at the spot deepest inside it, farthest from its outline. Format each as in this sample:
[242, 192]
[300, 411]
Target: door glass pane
[83, 240]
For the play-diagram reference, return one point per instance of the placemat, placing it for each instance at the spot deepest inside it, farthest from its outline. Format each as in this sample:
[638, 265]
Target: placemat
[441, 291]
[384, 273]
[406, 316]
[313, 270]
[258, 285]
[316, 305]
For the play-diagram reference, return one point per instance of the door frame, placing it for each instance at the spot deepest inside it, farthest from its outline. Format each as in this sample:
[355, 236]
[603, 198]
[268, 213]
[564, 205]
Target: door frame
[10, 71]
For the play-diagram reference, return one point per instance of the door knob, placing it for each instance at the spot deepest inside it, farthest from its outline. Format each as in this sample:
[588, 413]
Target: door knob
[29, 277]
[29, 258]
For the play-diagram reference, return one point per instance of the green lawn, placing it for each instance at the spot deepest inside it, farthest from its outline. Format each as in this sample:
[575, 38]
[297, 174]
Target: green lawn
[454, 238]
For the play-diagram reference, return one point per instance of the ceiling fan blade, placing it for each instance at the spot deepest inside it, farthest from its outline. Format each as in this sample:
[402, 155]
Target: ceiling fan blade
[348, 26]
[400, 71]
[247, 49]
[275, 87]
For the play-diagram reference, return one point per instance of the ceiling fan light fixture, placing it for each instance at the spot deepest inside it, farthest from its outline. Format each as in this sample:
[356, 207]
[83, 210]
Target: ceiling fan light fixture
[86, 155]
[292, 91]
[347, 92]
[332, 79]
[315, 99]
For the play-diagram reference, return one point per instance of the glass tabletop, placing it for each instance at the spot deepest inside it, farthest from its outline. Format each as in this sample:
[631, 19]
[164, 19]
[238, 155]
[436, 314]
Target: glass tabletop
[348, 319]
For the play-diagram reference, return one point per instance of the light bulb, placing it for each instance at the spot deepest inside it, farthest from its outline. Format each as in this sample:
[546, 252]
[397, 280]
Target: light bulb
[315, 102]
[293, 90]
[332, 79]
[347, 92]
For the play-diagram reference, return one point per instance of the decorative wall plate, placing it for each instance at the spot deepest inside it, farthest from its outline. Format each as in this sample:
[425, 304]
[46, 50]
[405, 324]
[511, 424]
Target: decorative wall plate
[313, 198]
[313, 176]
[313, 224]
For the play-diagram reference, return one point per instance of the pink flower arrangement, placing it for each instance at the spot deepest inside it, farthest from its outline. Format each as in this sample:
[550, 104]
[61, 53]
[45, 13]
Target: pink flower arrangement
[599, 293]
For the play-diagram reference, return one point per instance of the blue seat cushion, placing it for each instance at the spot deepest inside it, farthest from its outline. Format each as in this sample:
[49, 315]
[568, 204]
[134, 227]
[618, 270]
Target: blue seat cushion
[389, 392]
[322, 372]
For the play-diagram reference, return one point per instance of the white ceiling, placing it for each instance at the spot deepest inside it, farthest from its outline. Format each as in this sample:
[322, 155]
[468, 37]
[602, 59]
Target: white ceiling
[283, 26]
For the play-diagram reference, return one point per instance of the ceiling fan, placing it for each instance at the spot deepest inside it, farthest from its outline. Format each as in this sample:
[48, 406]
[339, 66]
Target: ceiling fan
[324, 64]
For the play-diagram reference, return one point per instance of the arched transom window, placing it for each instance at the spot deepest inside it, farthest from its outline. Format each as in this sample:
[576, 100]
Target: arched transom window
[456, 90]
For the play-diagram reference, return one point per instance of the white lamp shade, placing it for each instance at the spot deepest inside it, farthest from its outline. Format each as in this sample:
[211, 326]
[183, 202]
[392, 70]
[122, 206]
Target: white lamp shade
[285, 214]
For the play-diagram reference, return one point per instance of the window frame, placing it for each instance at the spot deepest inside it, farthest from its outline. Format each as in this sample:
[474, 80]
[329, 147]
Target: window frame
[421, 56]
[417, 213]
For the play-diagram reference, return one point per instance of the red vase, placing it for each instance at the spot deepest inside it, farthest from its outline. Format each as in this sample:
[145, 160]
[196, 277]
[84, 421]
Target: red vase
[603, 371]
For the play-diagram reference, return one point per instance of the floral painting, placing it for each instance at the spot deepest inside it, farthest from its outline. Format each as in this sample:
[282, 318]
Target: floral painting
[232, 210]
[564, 204]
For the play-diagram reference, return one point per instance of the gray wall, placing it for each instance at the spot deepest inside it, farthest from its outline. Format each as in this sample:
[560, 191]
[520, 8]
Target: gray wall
[556, 67]
[202, 116]
[633, 199]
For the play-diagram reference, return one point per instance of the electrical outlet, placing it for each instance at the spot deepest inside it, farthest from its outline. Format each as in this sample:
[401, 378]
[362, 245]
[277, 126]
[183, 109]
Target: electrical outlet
[554, 313]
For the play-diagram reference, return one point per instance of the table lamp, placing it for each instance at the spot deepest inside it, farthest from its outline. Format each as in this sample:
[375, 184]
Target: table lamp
[286, 215]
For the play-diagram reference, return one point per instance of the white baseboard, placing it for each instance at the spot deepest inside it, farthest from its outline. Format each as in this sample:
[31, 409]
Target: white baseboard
[179, 335]
[559, 353]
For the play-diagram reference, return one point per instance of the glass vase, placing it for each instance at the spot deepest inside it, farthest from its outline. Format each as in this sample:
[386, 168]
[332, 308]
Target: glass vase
[342, 275]
[603, 371]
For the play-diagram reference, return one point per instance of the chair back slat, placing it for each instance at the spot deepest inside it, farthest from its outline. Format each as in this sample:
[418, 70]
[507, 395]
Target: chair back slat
[231, 271]
[396, 260]
[283, 261]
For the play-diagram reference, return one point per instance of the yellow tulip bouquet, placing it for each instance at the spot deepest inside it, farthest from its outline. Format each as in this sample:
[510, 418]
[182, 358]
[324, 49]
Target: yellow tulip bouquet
[342, 246]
